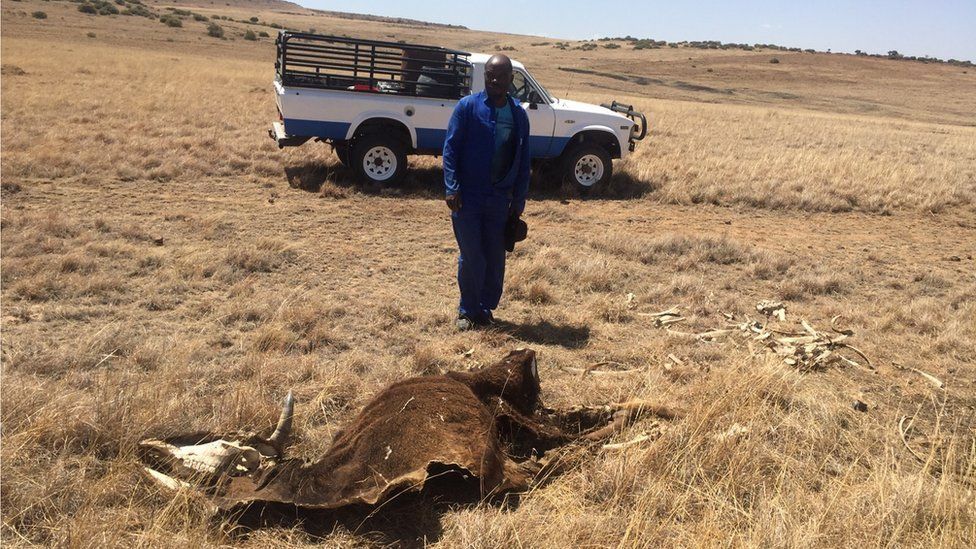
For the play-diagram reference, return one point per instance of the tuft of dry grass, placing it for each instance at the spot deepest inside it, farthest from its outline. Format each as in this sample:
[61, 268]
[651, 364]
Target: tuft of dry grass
[264, 255]
[683, 251]
[804, 286]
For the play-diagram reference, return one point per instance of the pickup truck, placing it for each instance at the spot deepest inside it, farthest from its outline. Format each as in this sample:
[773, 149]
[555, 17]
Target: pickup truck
[377, 102]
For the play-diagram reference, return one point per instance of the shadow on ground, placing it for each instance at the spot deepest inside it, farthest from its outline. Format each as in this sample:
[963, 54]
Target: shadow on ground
[312, 177]
[544, 332]
[407, 520]
[427, 182]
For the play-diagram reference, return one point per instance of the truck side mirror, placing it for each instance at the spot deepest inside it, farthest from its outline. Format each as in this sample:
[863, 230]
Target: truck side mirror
[534, 99]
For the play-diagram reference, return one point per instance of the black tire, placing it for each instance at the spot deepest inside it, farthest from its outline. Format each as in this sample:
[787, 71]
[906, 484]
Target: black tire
[380, 159]
[341, 149]
[586, 165]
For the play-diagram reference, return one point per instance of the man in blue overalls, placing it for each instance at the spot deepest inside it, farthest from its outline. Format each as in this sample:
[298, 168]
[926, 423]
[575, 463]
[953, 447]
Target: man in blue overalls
[486, 176]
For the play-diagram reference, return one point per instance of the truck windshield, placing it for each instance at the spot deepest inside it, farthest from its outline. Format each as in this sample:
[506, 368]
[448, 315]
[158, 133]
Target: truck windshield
[546, 97]
[523, 85]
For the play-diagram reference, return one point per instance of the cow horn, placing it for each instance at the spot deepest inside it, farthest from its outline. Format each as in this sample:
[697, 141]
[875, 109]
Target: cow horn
[283, 429]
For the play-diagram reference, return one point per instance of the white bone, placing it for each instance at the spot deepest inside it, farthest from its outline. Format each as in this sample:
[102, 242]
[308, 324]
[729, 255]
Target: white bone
[166, 481]
[621, 445]
[219, 456]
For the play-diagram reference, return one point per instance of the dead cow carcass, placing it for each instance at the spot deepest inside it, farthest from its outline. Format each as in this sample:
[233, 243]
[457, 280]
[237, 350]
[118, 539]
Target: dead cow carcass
[484, 424]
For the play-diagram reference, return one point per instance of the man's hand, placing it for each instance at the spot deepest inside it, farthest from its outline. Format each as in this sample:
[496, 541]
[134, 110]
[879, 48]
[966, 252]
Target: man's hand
[454, 202]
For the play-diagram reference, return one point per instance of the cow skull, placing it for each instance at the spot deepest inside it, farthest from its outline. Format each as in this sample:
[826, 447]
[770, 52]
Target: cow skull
[174, 464]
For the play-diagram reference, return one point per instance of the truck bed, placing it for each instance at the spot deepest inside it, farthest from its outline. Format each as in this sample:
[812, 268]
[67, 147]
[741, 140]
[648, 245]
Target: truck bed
[338, 63]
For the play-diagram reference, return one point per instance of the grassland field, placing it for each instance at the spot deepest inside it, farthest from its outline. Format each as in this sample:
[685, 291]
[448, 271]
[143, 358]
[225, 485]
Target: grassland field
[165, 268]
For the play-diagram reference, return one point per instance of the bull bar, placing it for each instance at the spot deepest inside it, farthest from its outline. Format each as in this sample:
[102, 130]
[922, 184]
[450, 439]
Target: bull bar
[639, 131]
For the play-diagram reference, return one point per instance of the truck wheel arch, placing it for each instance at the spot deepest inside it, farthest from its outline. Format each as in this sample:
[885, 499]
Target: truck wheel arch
[598, 135]
[385, 122]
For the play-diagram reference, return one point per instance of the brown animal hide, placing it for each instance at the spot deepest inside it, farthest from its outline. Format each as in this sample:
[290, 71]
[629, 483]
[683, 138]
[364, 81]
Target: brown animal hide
[481, 424]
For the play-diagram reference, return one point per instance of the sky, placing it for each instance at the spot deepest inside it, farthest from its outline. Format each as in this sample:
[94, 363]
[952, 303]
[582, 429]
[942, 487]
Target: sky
[938, 28]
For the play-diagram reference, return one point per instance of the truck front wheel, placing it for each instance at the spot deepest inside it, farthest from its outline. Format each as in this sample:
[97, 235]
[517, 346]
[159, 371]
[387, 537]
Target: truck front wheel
[379, 159]
[586, 165]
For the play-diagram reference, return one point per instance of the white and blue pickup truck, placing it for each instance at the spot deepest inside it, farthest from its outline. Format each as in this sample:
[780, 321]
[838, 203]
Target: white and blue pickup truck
[377, 102]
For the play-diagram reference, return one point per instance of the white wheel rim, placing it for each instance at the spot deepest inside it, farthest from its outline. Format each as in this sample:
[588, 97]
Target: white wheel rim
[380, 163]
[588, 170]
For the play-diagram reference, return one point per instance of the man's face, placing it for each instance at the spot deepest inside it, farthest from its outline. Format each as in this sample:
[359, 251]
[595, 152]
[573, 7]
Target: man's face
[498, 78]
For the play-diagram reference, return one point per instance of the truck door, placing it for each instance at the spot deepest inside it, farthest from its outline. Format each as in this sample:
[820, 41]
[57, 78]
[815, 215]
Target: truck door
[542, 118]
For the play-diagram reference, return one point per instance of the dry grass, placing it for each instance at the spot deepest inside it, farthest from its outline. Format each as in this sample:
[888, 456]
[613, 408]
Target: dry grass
[160, 275]
[776, 158]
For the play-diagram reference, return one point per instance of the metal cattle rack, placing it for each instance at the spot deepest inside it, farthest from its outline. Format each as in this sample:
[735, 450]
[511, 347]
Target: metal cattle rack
[339, 63]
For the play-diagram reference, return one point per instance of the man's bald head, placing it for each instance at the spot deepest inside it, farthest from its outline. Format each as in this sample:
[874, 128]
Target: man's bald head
[498, 78]
[499, 61]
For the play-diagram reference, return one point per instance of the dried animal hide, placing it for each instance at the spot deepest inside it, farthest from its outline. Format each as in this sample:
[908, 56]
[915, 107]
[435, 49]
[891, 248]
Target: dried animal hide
[484, 424]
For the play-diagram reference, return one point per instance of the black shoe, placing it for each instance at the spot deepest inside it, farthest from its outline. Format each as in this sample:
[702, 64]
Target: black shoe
[486, 319]
[464, 323]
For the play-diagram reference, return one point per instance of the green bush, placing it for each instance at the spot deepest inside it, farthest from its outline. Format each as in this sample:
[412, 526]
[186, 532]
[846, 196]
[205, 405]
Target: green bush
[87, 8]
[199, 17]
[91, 35]
[107, 9]
[263, 34]
[140, 11]
[249, 35]
[171, 21]
[215, 30]
[39, 15]
[611, 46]
[254, 19]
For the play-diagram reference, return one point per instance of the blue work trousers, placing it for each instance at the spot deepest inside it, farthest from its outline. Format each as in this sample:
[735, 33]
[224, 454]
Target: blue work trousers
[479, 228]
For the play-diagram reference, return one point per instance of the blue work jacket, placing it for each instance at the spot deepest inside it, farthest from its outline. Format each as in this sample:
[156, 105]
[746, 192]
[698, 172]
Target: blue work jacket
[470, 146]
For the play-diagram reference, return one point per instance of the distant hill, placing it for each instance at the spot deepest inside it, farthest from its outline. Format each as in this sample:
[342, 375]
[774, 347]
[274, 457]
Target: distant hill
[277, 5]
[384, 19]
[295, 9]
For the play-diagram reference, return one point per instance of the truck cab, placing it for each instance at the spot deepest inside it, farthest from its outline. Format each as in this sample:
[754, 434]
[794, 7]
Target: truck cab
[377, 102]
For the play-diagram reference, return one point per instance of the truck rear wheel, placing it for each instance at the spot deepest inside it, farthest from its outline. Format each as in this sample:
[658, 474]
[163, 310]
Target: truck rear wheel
[587, 165]
[379, 159]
